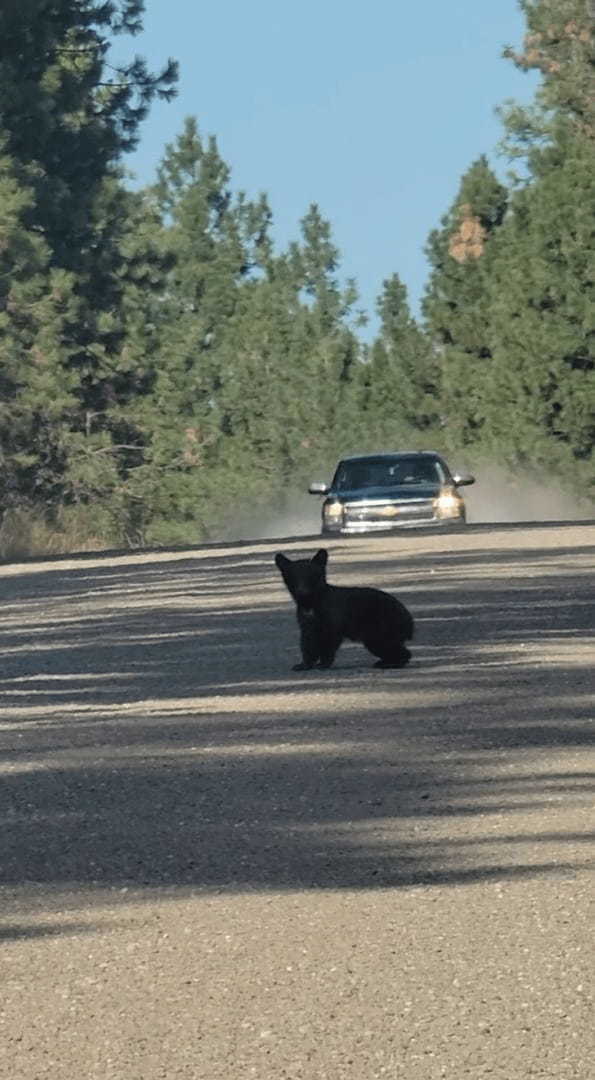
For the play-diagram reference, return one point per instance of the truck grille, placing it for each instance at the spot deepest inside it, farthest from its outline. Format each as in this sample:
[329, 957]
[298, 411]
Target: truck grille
[389, 513]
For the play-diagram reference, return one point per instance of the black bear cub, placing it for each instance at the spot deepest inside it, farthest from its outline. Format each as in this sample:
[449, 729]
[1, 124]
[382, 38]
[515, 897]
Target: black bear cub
[327, 614]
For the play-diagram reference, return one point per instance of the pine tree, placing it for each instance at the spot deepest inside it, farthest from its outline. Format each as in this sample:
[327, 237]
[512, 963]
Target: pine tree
[74, 115]
[66, 126]
[540, 389]
[216, 241]
[325, 377]
[38, 310]
[286, 364]
[454, 305]
[560, 44]
[399, 382]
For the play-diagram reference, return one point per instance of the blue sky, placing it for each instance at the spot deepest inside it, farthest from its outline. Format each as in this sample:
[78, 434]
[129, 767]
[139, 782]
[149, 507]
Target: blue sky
[373, 110]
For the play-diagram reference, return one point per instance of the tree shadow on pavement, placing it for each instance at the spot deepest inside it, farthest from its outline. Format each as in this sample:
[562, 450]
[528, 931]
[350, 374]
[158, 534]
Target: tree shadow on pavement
[155, 738]
[17, 931]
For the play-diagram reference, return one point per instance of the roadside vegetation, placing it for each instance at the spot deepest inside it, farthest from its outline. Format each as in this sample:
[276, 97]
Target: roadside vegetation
[163, 363]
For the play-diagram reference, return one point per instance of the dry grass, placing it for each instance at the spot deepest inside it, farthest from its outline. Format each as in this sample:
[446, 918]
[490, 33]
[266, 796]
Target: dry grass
[26, 533]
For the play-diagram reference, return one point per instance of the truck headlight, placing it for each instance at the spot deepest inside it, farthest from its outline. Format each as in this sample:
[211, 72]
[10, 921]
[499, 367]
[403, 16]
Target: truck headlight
[332, 512]
[448, 504]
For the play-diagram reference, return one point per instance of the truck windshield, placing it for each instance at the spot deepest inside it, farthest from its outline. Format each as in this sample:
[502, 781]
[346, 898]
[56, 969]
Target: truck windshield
[387, 472]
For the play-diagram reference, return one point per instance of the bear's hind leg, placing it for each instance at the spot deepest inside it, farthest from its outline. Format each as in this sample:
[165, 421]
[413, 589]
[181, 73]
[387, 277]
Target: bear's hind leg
[396, 659]
[392, 654]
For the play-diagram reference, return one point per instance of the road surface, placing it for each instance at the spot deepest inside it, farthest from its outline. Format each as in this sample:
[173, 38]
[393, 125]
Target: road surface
[214, 867]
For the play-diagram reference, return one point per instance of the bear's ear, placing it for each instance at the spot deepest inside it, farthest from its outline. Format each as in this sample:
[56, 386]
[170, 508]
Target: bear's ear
[281, 561]
[321, 557]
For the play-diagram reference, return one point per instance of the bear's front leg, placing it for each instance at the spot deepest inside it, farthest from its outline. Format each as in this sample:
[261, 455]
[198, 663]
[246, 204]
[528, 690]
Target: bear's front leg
[329, 643]
[309, 641]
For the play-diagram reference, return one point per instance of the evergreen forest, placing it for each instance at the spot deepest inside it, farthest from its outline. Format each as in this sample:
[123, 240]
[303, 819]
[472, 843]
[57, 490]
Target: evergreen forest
[163, 363]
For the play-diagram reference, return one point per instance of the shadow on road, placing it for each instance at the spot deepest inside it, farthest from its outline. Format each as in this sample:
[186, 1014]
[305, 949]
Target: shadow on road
[13, 931]
[155, 737]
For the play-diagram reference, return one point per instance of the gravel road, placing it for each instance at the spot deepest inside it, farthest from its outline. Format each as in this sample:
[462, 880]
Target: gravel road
[214, 867]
